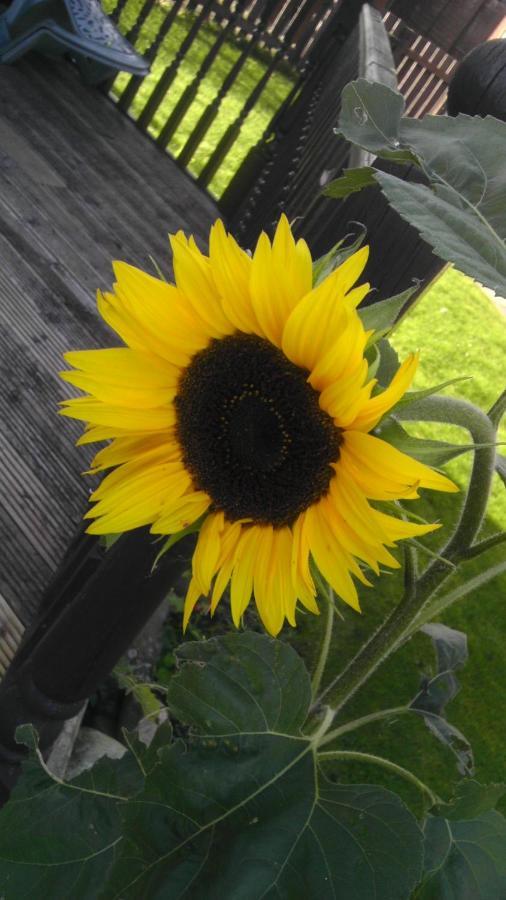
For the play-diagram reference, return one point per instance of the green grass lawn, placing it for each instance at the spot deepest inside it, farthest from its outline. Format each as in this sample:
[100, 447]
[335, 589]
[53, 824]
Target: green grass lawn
[459, 332]
[278, 87]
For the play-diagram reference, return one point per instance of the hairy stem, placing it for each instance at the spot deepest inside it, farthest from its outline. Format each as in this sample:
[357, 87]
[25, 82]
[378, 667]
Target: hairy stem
[325, 645]
[485, 545]
[364, 720]
[355, 756]
[417, 592]
[439, 603]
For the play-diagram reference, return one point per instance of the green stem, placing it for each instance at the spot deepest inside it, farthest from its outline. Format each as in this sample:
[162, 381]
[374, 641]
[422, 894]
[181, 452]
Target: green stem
[325, 645]
[438, 604]
[355, 756]
[485, 545]
[416, 594]
[465, 415]
[364, 720]
[497, 411]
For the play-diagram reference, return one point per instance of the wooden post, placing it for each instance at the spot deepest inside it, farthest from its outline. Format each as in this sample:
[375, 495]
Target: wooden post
[478, 87]
[89, 617]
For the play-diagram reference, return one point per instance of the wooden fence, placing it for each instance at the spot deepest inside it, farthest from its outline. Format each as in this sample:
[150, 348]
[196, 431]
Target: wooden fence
[423, 69]
[455, 26]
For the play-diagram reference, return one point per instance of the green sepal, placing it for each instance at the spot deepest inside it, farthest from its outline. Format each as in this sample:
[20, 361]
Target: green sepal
[340, 252]
[381, 317]
[350, 182]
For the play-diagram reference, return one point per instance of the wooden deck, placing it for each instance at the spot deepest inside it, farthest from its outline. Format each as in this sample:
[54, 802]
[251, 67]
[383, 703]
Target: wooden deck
[79, 186]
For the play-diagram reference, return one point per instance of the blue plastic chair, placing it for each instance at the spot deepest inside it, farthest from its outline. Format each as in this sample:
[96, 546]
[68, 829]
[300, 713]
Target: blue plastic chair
[76, 28]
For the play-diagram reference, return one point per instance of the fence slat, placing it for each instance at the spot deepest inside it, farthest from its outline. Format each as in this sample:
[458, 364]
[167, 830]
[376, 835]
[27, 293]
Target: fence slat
[164, 83]
[127, 97]
[212, 110]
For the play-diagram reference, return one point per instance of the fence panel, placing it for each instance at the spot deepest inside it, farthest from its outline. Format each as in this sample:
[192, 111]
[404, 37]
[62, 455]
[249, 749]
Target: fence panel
[423, 69]
[221, 70]
[454, 26]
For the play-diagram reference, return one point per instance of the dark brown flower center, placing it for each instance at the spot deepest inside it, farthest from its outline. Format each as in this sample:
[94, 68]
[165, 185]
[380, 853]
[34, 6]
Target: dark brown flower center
[252, 432]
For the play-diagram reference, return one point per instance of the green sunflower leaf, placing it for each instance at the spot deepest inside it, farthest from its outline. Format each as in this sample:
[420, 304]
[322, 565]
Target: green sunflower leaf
[240, 682]
[498, 410]
[460, 211]
[371, 117]
[108, 540]
[239, 809]
[143, 692]
[388, 364]
[464, 860]
[382, 316]
[335, 256]
[436, 692]
[373, 358]
[59, 840]
[351, 181]
[433, 453]
[455, 233]
[471, 799]
[413, 396]
[242, 810]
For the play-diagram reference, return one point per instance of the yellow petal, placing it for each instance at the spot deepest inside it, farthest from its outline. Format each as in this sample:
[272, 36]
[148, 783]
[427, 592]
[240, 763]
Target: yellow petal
[266, 585]
[292, 260]
[207, 551]
[282, 550]
[153, 456]
[194, 278]
[343, 399]
[242, 576]
[125, 449]
[374, 483]
[301, 574]
[231, 269]
[354, 508]
[329, 556]
[123, 377]
[192, 596]
[280, 276]
[160, 315]
[128, 420]
[93, 434]
[170, 479]
[319, 320]
[388, 461]
[138, 502]
[376, 407]
[230, 538]
[355, 543]
[399, 529]
[178, 514]
[342, 356]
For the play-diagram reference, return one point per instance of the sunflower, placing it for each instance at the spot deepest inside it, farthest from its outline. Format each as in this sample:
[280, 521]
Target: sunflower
[242, 403]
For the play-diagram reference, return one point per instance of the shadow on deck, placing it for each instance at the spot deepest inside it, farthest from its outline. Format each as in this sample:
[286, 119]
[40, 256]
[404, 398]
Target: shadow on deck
[79, 187]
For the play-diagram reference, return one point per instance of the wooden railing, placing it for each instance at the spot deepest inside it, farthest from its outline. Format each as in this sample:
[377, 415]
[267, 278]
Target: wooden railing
[280, 37]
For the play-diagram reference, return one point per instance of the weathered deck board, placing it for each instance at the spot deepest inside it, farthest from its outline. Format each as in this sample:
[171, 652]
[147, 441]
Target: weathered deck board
[79, 186]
